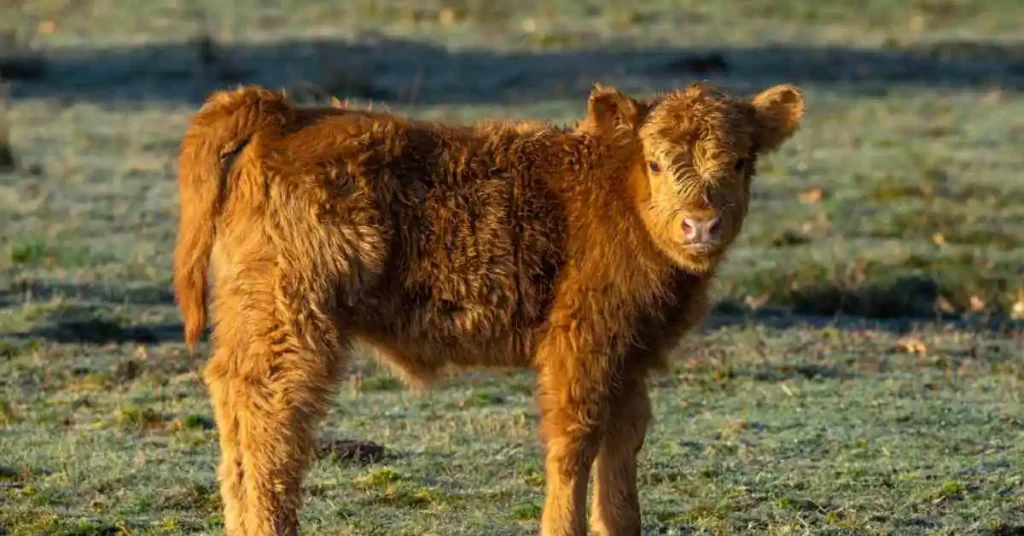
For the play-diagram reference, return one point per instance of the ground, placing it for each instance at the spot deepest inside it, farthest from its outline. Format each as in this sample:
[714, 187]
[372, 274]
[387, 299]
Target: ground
[862, 373]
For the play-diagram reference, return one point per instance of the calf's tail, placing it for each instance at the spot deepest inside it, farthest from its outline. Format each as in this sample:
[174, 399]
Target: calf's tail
[222, 127]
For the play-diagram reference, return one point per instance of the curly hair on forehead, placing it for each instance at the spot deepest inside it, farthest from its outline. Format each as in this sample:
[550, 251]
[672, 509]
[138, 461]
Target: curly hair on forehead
[508, 244]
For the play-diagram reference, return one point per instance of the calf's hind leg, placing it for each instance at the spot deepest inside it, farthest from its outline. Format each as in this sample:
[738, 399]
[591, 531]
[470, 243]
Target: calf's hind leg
[270, 381]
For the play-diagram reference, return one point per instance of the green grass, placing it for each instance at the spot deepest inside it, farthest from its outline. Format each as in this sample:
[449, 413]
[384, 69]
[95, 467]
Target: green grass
[758, 428]
[832, 421]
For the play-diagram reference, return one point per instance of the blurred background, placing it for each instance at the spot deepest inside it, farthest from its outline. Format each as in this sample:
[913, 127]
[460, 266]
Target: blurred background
[884, 252]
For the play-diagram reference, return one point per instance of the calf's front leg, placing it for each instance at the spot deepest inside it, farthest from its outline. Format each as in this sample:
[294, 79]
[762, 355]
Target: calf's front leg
[573, 394]
[616, 502]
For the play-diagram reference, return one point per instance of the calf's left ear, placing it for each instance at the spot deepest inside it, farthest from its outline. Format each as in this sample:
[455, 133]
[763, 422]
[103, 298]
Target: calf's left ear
[779, 110]
[609, 108]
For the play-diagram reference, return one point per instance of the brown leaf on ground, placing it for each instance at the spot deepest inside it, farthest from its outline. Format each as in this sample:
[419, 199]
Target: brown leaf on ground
[943, 304]
[912, 345]
[756, 302]
[812, 195]
[1017, 311]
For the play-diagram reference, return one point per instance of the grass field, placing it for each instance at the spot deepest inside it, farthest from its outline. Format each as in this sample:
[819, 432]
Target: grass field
[862, 373]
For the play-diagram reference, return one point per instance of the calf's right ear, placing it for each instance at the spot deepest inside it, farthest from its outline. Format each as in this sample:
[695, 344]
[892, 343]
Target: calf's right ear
[608, 109]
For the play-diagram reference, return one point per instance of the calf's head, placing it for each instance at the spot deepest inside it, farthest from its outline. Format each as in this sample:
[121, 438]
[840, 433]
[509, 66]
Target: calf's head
[696, 154]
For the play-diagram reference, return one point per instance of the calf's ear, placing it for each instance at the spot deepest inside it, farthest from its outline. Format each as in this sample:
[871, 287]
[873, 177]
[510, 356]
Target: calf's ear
[608, 108]
[779, 110]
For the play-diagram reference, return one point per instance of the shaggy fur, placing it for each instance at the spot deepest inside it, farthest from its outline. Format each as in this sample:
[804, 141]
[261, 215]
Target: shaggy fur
[499, 245]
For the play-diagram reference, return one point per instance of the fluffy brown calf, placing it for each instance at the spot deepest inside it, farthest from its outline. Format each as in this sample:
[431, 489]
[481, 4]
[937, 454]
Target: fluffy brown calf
[581, 253]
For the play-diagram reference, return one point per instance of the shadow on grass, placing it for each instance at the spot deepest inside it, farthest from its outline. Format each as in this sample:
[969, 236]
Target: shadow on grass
[99, 331]
[386, 69]
[807, 371]
[83, 314]
[41, 290]
[726, 315]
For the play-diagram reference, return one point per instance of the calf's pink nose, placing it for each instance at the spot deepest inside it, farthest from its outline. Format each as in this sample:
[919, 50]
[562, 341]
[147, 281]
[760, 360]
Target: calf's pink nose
[701, 231]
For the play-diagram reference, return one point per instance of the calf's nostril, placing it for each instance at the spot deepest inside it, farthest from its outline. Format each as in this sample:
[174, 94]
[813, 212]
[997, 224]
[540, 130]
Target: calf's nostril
[714, 226]
[688, 227]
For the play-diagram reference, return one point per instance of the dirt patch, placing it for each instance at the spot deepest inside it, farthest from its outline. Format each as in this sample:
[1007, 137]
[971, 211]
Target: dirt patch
[350, 451]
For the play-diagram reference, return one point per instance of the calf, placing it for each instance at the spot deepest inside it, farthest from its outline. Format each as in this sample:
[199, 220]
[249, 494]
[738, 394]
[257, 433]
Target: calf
[582, 253]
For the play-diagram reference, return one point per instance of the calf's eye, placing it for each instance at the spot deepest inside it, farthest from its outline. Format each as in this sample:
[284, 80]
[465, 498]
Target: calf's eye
[653, 166]
[741, 164]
